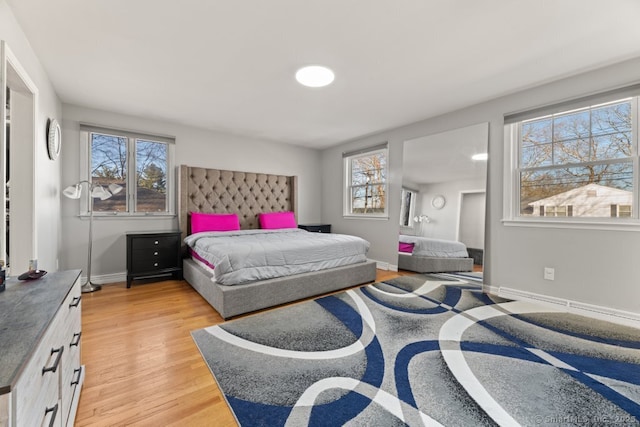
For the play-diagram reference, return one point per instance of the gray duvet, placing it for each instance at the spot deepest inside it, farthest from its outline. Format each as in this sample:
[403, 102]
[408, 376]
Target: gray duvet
[249, 255]
[425, 246]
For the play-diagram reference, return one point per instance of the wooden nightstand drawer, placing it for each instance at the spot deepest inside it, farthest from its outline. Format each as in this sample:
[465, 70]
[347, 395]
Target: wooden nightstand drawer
[146, 260]
[152, 254]
[316, 228]
[155, 242]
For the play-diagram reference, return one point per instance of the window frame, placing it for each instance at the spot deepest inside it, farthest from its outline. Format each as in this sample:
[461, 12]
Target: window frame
[348, 185]
[511, 172]
[412, 207]
[131, 188]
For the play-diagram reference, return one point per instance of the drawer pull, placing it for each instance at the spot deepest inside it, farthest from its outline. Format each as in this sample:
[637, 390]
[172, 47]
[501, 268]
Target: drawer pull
[75, 341]
[77, 380]
[53, 417]
[155, 242]
[155, 253]
[155, 264]
[75, 302]
[56, 363]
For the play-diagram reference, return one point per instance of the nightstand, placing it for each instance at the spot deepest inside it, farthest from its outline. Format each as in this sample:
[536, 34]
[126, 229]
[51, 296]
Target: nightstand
[152, 254]
[316, 228]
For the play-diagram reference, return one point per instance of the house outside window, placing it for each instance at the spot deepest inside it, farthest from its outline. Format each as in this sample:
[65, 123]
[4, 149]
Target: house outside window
[141, 164]
[366, 183]
[577, 163]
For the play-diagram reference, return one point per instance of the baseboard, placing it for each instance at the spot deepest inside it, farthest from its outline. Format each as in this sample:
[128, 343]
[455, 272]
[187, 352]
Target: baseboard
[613, 315]
[380, 265]
[105, 279]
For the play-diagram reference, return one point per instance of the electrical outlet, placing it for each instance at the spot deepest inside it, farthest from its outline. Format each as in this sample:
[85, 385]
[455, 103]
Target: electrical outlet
[549, 273]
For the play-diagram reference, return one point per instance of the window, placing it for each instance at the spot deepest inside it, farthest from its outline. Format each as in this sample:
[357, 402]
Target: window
[366, 182]
[141, 164]
[621, 211]
[556, 210]
[407, 207]
[578, 163]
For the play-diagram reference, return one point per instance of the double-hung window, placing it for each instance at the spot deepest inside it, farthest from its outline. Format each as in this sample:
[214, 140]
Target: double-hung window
[580, 164]
[141, 164]
[366, 184]
[407, 208]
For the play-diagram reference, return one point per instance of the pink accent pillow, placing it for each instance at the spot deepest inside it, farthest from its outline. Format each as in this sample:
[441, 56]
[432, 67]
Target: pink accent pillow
[213, 222]
[405, 247]
[273, 220]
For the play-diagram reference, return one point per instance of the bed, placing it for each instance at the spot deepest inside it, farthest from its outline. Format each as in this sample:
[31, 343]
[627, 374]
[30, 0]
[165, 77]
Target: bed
[426, 255]
[248, 195]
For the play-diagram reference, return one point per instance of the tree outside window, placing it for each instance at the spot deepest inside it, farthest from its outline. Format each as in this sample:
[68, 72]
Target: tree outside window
[110, 164]
[581, 158]
[367, 184]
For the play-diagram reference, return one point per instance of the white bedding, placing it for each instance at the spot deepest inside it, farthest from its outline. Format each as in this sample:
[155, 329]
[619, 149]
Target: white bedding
[249, 255]
[424, 246]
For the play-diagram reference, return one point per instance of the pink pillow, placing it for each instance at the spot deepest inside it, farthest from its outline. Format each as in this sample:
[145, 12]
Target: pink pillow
[213, 222]
[405, 247]
[273, 220]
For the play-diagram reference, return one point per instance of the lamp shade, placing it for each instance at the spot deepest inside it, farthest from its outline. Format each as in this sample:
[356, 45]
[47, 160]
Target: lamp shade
[73, 191]
[115, 188]
[421, 218]
[99, 192]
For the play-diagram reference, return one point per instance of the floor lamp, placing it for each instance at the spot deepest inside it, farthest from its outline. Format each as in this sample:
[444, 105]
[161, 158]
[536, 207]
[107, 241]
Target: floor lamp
[421, 219]
[96, 191]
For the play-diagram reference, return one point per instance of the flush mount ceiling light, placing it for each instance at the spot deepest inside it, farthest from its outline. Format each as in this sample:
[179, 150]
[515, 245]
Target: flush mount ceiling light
[314, 76]
[480, 156]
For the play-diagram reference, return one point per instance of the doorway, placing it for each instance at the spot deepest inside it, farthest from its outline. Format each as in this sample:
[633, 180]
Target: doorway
[17, 152]
[471, 225]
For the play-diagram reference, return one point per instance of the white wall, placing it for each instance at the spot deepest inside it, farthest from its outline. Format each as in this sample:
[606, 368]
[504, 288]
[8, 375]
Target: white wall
[444, 222]
[592, 266]
[194, 147]
[47, 179]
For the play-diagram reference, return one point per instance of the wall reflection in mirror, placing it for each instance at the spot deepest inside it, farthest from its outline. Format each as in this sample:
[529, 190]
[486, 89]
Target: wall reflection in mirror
[442, 215]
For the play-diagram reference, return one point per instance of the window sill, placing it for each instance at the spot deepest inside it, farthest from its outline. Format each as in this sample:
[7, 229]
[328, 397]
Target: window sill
[372, 217]
[128, 216]
[630, 225]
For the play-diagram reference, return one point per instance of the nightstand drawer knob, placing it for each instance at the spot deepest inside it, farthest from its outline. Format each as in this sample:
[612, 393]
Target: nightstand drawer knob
[155, 242]
[155, 253]
[155, 264]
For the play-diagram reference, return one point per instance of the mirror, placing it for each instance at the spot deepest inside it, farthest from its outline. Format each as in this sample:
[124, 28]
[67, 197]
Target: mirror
[444, 192]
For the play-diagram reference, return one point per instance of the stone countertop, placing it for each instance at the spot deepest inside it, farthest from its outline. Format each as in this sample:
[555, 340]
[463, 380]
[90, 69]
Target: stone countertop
[26, 310]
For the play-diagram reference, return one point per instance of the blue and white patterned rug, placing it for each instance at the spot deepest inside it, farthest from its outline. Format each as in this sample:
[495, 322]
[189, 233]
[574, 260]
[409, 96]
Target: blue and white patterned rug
[424, 350]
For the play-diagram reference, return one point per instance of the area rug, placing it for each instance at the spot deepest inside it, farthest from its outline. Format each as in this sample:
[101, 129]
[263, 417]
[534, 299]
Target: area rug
[424, 350]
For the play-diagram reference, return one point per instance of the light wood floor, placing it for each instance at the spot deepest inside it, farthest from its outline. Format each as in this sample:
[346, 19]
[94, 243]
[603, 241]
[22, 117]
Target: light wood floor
[142, 366]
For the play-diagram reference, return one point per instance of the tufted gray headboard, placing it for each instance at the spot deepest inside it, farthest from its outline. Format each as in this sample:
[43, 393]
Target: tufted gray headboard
[244, 193]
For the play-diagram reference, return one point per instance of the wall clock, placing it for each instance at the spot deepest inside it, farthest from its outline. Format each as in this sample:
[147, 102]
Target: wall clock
[438, 201]
[54, 139]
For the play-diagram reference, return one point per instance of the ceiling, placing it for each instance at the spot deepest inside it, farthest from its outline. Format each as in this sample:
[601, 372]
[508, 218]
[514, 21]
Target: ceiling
[446, 156]
[229, 65]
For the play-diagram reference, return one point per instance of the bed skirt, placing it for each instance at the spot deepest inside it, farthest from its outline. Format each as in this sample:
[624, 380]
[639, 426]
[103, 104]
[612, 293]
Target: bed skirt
[424, 264]
[232, 301]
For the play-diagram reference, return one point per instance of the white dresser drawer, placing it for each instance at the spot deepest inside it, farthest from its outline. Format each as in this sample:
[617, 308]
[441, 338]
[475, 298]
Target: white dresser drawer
[71, 369]
[37, 389]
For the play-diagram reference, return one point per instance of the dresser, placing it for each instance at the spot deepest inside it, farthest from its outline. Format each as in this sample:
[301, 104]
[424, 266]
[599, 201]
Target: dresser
[152, 254]
[40, 372]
